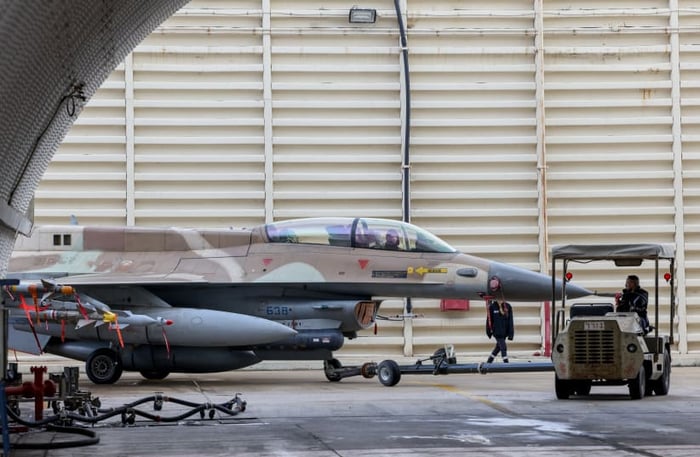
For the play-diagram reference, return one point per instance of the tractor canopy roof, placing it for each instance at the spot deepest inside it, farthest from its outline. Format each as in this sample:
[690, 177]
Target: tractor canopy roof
[614, 251]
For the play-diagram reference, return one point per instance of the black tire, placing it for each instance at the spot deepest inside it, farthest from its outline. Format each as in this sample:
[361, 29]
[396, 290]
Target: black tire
[638, 385]
[389, 373]
[329, 366]
[649, 383]
[562, 388]
[663, 384]
[154, 375]
[649, 388]
[582, 388]
[103, 367]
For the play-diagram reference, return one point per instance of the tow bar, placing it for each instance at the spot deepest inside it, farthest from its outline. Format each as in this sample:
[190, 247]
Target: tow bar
[442, 362]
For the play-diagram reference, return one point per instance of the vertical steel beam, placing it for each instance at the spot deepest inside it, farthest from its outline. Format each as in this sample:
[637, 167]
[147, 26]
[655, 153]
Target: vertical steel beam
[677, 147]
[130, 140]
[541, 147]
[267, 110]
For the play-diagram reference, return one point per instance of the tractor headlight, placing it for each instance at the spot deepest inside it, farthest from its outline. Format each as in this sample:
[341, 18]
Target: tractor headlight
[632, 348]
[560, 348]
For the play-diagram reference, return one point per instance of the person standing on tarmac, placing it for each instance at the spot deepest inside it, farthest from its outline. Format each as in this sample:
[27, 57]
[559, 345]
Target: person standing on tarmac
[499, 324]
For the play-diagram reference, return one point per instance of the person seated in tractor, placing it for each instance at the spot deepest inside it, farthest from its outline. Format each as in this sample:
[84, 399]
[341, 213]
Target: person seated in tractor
[634, 299]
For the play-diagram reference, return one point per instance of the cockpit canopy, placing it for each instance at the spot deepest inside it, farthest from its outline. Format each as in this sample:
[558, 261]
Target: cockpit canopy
[364, 233]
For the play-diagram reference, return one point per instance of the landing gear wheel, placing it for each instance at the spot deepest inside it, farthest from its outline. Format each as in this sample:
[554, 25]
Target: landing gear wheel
[389, 373]
[562, 388]
[103, 367]
[329, 366]
[637, 386]
[155, 375]
[663, 384]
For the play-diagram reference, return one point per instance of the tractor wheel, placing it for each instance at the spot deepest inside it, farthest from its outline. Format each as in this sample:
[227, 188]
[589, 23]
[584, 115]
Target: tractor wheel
[663, 384]
[637, 386]
[562, 388]
[582, 388]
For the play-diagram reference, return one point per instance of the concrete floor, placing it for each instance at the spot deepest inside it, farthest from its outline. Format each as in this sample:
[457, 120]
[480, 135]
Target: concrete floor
[299, 413]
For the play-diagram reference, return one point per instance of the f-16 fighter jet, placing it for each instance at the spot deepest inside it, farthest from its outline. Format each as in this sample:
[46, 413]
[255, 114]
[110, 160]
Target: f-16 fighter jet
[159, 301]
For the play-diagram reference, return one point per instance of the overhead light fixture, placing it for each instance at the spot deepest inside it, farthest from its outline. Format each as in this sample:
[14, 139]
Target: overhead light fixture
[362, 15]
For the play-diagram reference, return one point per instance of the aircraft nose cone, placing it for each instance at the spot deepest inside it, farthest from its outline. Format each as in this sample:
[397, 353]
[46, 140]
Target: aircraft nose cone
[519, 284]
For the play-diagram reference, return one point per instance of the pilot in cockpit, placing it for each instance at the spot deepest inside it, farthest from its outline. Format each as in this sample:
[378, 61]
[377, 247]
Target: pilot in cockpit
[392, 240]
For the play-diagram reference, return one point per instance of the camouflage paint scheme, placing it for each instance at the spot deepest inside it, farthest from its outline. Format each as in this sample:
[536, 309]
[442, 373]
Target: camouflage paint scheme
[287, 290]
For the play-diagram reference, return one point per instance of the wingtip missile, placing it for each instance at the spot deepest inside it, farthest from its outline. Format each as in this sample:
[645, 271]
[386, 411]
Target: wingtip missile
[39, 287]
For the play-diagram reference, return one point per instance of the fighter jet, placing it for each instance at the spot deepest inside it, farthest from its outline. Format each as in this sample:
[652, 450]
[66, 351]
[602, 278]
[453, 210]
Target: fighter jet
[158, 301]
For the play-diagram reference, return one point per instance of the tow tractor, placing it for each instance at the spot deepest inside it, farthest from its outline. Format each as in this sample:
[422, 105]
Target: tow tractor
[595, 345]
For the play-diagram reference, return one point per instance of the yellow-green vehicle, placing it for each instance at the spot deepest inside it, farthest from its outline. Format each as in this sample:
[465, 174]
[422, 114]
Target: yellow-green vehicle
[594, 345]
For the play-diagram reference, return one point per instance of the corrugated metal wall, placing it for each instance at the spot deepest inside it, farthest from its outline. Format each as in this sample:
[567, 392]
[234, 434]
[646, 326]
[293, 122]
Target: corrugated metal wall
[687, 117]
[533, 123]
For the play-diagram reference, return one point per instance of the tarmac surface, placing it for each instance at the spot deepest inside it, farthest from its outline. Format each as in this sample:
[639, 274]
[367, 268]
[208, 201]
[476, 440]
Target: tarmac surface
[299, 413]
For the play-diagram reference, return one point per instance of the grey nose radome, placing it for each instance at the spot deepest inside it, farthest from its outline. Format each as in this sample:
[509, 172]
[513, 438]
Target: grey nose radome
[519, 284]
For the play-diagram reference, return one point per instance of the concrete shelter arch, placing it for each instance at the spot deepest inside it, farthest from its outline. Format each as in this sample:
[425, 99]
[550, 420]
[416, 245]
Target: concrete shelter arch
[54, 56]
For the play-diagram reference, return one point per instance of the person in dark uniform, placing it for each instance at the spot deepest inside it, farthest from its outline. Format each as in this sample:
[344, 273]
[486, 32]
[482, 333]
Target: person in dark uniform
[633, 299]
[499, 324]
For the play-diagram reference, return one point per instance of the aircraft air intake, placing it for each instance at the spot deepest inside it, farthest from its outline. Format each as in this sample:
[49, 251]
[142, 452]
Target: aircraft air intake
[366, 312]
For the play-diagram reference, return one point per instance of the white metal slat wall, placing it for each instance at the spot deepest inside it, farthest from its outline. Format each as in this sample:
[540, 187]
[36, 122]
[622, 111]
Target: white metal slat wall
[238, 111]
[236, 118]
[610, 132]
[190, 151]
[474, 161]
[609, 129]
[336, 110]
[87, 176]
[689, 62]
[199, 154]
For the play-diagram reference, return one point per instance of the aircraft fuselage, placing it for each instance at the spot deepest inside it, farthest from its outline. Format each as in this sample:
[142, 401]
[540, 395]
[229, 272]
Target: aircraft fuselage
[293, 289]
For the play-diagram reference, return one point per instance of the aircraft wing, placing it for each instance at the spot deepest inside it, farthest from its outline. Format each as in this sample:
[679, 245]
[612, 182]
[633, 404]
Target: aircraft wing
[185, 291]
